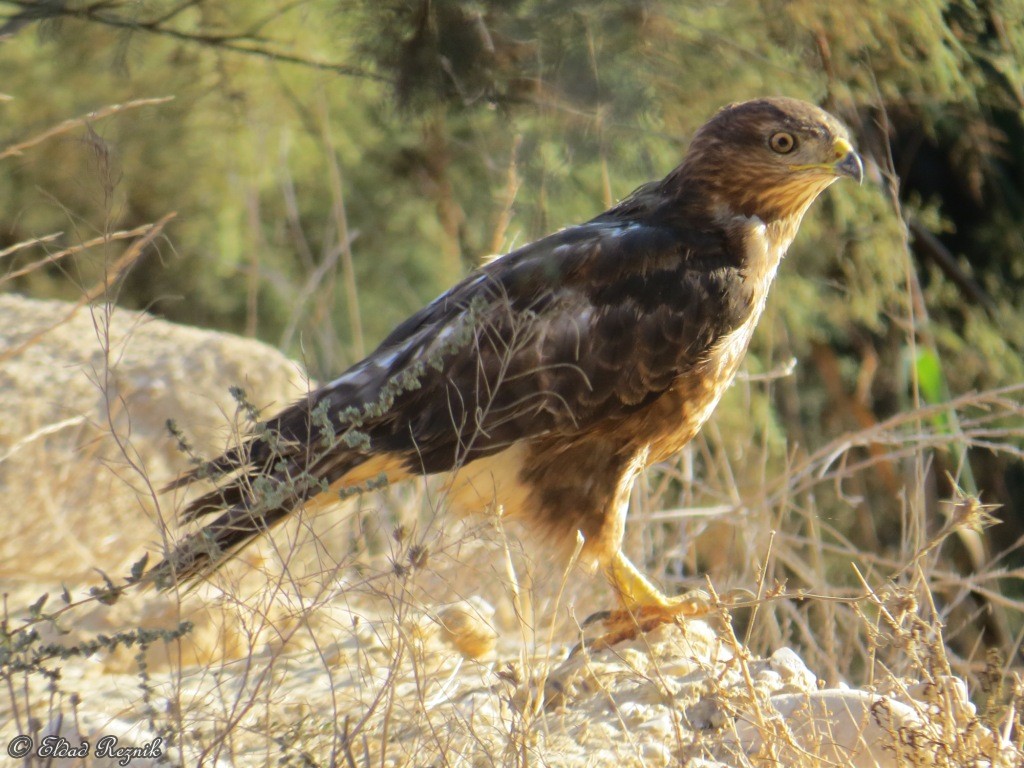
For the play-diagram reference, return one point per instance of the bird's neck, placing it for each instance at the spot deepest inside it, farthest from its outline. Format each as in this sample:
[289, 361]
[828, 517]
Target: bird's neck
[702, 193]
[759, 247]
[751, 232]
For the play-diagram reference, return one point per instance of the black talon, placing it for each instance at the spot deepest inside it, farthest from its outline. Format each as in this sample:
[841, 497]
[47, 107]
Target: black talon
[596, 617]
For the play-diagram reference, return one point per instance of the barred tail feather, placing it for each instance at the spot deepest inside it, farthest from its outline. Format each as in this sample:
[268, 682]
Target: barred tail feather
[202, 553]
[232, 461]
[252, 503]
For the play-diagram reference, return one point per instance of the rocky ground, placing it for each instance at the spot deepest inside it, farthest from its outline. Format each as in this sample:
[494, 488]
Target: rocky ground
[404, 695]
[338, 673]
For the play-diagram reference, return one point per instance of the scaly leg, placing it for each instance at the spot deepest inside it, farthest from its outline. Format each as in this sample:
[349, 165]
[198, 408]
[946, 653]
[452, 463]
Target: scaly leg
[638, 595]
[644, 606]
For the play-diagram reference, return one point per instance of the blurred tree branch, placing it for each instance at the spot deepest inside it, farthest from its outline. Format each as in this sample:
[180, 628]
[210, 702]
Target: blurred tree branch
[113, 13]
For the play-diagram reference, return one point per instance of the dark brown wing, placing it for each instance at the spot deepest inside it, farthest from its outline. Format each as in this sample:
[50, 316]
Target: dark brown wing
[578, 329]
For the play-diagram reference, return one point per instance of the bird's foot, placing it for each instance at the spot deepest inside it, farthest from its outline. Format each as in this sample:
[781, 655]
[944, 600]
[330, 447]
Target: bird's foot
[645, 607]
[628, 623]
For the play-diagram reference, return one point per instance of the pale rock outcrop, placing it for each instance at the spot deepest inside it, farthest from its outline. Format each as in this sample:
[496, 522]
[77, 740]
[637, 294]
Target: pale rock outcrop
[84, 447]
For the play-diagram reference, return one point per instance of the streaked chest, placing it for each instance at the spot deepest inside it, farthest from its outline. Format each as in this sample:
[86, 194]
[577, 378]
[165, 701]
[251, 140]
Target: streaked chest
[684, 409]
[763, 255]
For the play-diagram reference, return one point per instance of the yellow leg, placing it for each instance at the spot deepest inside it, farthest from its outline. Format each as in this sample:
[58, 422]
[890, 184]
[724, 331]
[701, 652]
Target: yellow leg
[632, 587]
[644, 605]
[638, 594]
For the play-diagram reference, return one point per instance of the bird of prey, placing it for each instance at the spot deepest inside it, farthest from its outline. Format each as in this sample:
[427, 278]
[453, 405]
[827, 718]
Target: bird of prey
[546, 380]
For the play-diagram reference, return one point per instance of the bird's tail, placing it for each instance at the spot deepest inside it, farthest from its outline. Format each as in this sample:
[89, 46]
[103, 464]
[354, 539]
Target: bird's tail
[320, 443]
[201, 553]
[248, 505]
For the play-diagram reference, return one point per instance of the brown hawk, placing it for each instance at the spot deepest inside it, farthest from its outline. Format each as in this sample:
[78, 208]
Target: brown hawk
[547, 379]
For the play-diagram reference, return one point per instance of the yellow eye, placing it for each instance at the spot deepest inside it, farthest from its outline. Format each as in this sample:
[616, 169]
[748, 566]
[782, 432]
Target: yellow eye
[782, 142]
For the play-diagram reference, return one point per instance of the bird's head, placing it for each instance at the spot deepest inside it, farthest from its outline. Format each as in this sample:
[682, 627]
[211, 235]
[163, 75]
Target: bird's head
[768, 158]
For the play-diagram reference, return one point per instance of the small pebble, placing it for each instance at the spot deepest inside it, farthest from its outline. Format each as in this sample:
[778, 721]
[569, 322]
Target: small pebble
[468, 627]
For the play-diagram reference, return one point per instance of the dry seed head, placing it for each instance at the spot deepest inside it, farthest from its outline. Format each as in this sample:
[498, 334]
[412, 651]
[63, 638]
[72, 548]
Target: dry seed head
[967, 512]
[904, 602]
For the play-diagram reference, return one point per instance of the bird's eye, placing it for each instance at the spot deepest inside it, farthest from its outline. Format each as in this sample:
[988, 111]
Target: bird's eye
[782, 142]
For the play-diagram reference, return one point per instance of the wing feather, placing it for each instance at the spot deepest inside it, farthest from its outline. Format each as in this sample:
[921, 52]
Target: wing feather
[578, 329]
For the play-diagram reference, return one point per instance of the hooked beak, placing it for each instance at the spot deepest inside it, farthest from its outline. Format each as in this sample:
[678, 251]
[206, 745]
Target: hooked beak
[847, 162]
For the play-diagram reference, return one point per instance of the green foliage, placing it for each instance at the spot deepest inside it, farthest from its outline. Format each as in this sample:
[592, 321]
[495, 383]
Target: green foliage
[929, 376]
[23, 651]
